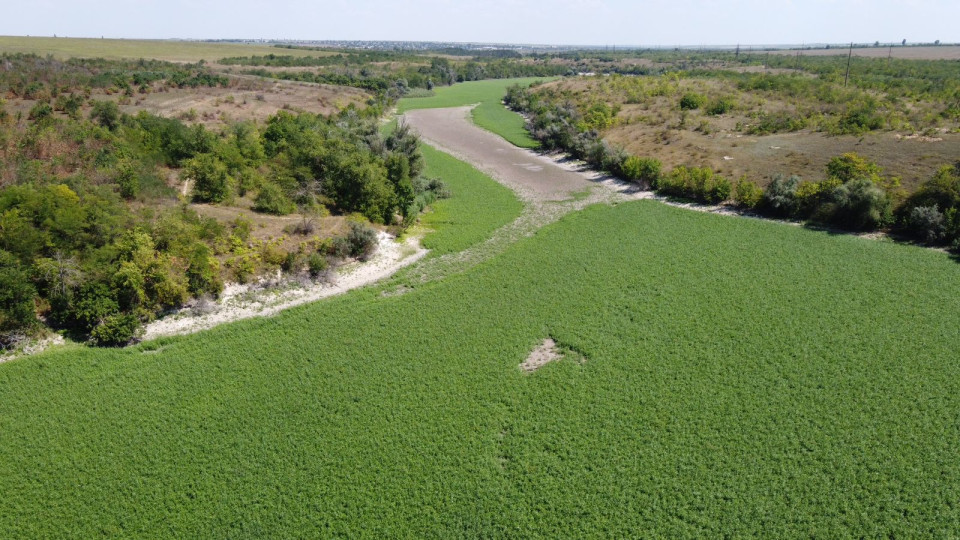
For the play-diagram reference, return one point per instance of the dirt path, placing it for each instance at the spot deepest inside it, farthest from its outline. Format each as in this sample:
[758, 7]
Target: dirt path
[533, 176]
[550, 186]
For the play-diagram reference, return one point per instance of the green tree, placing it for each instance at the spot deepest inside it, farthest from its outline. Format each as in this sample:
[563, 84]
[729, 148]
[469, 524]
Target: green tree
[211, 183]
[17, 296]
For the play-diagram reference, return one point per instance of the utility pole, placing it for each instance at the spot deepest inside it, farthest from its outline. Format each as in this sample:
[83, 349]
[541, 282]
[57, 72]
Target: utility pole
[849, 56]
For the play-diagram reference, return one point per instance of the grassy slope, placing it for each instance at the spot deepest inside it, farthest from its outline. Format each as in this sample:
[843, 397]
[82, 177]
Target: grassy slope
[741, 377]
[477, 207]
[490, 114]
[174, 51]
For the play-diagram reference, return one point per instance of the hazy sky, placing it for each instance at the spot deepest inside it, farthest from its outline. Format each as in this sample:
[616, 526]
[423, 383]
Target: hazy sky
[582, 22]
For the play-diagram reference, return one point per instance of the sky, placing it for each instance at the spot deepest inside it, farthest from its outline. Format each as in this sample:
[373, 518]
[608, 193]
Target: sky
[561, 22]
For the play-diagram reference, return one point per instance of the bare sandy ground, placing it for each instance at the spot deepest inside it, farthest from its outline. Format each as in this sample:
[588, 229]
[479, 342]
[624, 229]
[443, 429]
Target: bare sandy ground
[246, 301]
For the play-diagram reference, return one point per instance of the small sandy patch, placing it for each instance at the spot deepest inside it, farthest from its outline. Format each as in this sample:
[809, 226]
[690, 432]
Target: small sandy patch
[544, 354]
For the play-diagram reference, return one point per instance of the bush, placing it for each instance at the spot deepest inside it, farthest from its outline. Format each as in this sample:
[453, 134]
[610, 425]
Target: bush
[851, 166]
[106, 113]
[780, 197]
[272, 200]
[931, 213]
[699, 183]
[691, 101]
[720, 106]
[116, 330]
[928, 224]
[316, 264]
[645, 171]
[747, 194]
[860, 205]
[211, 182]
[362, 241]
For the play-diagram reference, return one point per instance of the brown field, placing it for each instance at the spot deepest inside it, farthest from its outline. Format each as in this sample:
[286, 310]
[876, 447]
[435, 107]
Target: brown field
[169, 50]
[802, 153]
[944, 52]
[247, 98]
[653, 128]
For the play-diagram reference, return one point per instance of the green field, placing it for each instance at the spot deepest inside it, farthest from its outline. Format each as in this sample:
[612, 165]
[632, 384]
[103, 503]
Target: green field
[726, 377]
[490, 114]
[477, 207]
[169, 50]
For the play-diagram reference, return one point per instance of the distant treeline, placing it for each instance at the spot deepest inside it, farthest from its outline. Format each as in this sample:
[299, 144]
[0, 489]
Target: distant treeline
[393, 82]
[35, 77]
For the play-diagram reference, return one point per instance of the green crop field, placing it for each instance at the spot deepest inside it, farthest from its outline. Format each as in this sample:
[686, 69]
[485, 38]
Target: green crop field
[724, 377]
[169, 50]
[477, 207]
[490, 114]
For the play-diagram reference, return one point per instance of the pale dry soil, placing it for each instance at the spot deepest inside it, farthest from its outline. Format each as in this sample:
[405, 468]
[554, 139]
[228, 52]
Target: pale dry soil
[551, 185]
[545, 353]
[269, 297]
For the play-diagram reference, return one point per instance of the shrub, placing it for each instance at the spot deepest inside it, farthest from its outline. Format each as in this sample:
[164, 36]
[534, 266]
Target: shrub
[851, 166]
[316, 264]
[645, 171]
[106, 113]
[720, 106]
[362, 241]
[699, 183]
[780, 197]
[860, 205]
[691, 101]
[747, 194]
[40, 111]
[211, 182]
[272, 200]
[116, 330]
[928, 224]
[812, 196]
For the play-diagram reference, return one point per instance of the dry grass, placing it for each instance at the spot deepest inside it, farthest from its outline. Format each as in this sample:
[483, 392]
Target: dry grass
[267, 227]
[247, 98]
[655, 127]
[945, 52]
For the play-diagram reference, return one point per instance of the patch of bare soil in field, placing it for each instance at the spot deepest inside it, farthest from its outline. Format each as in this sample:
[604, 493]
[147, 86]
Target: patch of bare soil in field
[545, 353]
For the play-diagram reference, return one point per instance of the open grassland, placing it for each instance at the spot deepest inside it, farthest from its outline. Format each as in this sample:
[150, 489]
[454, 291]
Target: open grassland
[490, 114]
[169, 50]
[477, 205]
[723, 377]
[944, 52]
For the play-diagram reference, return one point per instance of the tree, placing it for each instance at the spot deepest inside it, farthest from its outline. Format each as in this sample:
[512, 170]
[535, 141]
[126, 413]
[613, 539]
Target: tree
[398, 172]
[210, 178]
[17, 296]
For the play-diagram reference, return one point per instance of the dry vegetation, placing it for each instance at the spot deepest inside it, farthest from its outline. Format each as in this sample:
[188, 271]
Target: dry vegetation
[168, 50]
[650, 122]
